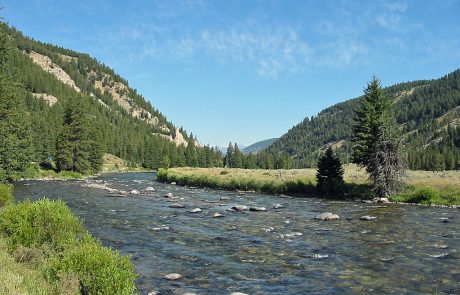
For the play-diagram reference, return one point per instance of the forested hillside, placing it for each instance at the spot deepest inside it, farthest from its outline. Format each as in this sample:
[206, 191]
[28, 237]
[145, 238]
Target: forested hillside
[54, 81]
[428, 114]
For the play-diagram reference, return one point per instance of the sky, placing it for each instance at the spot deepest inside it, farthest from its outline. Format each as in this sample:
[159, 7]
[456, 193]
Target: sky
[244, 71]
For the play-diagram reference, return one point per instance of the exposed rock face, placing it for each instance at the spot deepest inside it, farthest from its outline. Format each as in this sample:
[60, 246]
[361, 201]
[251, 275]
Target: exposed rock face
[178, 138]
[49, 99]
[49, 66]
[119, 93]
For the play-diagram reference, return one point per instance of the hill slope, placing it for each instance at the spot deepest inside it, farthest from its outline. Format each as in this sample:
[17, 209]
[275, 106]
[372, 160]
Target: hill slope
[258, 146]
[427, 111]
[128, 126]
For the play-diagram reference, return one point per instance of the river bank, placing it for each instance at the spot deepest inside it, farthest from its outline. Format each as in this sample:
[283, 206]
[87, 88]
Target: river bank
[44, 249]
[423, 187]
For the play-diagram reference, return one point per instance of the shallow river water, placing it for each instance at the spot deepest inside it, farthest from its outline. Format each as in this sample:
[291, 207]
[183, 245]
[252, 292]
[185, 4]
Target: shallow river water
[406, 250]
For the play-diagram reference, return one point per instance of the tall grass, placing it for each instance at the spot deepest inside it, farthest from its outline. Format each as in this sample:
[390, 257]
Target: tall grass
[422, 186]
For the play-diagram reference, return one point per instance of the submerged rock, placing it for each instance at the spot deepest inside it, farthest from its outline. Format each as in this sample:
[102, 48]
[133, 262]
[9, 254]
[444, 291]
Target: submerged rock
[195, 210]
[176, 205]
[260, 209]
[277, 206]
[173, 276]
[367, 218]
[240, 208]
[327, 216]
[169, 195]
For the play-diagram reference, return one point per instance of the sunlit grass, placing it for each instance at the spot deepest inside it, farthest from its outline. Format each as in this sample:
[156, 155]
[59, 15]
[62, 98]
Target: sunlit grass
[445, 184]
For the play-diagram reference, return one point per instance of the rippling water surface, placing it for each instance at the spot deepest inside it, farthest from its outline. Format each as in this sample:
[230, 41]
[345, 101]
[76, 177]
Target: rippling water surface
[407, 249]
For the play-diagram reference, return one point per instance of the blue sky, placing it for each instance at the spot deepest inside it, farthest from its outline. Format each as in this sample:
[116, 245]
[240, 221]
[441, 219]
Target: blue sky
[249, 70]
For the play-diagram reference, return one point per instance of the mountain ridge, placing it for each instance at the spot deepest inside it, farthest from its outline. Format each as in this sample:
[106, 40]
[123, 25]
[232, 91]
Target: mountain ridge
[427, 112]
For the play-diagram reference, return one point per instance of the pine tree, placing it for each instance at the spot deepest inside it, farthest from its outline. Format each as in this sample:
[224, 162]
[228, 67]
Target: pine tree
[329, 174]
[76, 148]
[374, 139]
[229, 157]
[15, 135]
[237, 159]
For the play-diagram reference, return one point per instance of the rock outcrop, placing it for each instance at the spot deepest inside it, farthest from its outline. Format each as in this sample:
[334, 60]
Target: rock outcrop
[49, 66]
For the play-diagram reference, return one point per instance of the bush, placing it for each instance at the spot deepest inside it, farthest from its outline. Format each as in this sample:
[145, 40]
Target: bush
[37, 223]
[6, 194]
[100, 270]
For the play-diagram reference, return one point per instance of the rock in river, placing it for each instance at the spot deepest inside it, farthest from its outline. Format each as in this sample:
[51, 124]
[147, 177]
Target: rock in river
[134, 192]
[176, 205]
[327, 216]
[261, 209]
[240, 207]
[195, 210]
[238, 293]
[218, 215]
[224, 198]
[173, 276]
[149, 189]
[168, 195]
[277, 206]
[367, 218]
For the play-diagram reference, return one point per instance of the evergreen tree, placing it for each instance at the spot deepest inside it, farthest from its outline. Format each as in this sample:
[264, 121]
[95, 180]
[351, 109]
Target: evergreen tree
[374, 138]
[15, 136]
[229, 157]
[76, 148]
[237, 158]
[329, 174]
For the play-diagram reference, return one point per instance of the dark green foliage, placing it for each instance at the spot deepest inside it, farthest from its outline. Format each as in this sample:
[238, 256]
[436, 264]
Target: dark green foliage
[15, 135]
[6, 195]
[37, 223]
[329, 177]
[116, 131]
[375, 146]
[77, 149]
[423, 110]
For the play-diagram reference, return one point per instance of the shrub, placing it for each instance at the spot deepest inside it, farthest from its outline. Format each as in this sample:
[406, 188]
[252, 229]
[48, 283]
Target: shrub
[36, 223]
[6, 194]
[100, 270]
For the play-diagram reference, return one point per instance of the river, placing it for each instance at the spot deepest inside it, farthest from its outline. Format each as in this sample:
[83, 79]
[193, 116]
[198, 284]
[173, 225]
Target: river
[406, 250]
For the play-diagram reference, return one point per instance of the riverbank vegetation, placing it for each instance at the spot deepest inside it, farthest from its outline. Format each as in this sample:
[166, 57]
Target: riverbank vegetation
[425, 187]
[44, 249]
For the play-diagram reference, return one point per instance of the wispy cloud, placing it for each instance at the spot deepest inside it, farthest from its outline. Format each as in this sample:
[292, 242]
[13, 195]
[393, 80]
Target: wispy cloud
[193, 32]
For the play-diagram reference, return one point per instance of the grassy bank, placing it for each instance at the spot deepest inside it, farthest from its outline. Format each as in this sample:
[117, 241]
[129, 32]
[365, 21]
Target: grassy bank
[44, 249]
[425, 187]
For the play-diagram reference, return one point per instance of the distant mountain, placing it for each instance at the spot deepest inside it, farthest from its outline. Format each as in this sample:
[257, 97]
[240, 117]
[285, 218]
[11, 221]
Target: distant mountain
[258, 146]
[428, 114]
[223, 149]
